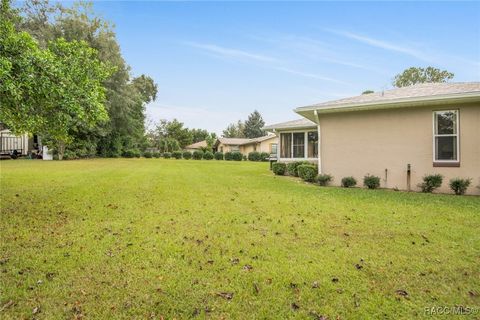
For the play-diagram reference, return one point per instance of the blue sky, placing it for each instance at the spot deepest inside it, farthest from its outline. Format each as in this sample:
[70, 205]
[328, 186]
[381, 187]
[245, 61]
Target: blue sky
[215, 62]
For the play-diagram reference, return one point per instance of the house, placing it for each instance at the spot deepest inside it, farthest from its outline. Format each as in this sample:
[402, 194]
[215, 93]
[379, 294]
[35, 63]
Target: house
[399, 135]
[196, 146]
[266, 143]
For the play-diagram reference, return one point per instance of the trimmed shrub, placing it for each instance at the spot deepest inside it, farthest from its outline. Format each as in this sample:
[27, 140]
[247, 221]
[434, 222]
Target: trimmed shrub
[128, 154]
[459, 186]
[218, 155]
[69, 155]
[254, 156]
[137, 154]
[292, 167]
[177, 154]
[197, 155]
[264, 156]
[147, 154]
[279, 168]
[371, 182]
[208, 155]
[156, 154]
[244, 157]
[324, 179]
[187, 155]
[348, 182]
[167, 155]
[307, 172]
[228, 156]
[237, 156]
[431, 182]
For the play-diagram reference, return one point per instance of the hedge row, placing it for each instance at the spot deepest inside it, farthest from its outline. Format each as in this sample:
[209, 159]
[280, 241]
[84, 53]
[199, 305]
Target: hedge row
[308, 172]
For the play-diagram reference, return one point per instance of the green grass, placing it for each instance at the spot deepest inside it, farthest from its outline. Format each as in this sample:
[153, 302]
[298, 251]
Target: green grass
[143, 238]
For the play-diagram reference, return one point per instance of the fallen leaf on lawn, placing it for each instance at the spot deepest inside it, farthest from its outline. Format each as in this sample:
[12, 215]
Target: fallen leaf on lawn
[50, 275]
[234, 260]
[225, 295]
[358, 266]
[7, 305]
[401, 292]
[247, 267]
[256, 288]
[335, 280]
[295, 306]
[315, 285]
[317, 316]
[293, 285]
[36, 310]
[472, 293]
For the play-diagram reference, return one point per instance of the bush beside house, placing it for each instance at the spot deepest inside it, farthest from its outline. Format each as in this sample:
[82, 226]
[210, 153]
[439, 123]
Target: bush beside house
[177, 154]
[237, 156]
[307, 172]
[324, 179]
[431, 182]
[348, 182]
[187, 155]
[208, 155]
[459, 186]
[279, 168]
[218, 155]
[197, 155]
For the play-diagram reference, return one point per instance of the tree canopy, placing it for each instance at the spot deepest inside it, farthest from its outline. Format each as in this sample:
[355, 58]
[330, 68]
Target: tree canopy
[251, 128]
[416, 75]
[48, 90]
[125, 96]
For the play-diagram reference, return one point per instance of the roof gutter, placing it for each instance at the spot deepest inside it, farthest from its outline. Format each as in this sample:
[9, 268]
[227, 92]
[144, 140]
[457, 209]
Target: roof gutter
[396, 103]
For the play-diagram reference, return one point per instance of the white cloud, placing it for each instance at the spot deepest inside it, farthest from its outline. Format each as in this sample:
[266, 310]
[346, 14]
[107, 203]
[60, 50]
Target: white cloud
[382, 44]
[266, 61]
[231, 53]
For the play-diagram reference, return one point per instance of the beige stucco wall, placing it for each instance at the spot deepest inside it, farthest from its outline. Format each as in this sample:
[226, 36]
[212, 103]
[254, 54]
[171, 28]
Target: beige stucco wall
[263, 146]
[226, 148]
[361, 142]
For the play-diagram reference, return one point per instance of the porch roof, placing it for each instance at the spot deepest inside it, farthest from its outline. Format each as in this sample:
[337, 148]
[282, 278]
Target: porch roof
[291, 125]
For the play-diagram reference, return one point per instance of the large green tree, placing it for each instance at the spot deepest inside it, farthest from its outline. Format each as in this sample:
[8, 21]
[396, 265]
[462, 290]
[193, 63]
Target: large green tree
[126, 96]
[48, 91]
[235, 130]
[254, 125]
[416, 75]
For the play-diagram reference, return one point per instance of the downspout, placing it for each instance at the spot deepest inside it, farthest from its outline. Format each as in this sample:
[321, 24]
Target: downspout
[319, 143]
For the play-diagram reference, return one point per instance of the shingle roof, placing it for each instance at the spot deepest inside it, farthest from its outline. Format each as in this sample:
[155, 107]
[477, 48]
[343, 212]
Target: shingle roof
[299, 123]
[243, 141]
[197, 145]
[411, 93]
[234, 141]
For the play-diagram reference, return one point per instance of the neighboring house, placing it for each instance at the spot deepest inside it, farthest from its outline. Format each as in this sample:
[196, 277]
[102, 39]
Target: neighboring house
[266, 143]
[399, 135]
[12, 145]
[196, 146]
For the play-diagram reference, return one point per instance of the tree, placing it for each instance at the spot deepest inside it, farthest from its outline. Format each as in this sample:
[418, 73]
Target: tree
[170, 136]
[368, 91]
[235, 130]
[48, 91]
[254, 125]
[415, 75]
[199, 135]
[125, 97]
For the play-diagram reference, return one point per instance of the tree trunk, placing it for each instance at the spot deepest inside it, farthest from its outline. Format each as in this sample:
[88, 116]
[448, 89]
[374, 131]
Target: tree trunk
[61, 149]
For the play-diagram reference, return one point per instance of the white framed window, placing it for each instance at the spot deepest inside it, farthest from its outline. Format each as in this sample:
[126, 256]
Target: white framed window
[446, 136]
[298, 145]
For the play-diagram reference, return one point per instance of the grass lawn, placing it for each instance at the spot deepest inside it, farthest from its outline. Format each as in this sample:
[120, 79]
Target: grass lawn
[151, 238]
